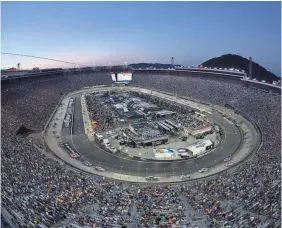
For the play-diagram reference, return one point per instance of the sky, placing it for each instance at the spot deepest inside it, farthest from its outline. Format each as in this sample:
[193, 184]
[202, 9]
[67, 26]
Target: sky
[107, 33]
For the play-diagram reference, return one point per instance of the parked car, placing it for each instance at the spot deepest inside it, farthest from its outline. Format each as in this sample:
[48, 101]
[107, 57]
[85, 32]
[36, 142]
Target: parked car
[122, 143]
[106, 142]
[228, 159]
[113, 149]
[61, 144]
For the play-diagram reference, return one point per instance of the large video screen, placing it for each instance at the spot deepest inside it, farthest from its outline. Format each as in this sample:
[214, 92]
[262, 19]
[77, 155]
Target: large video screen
[124, 76]
[114, 79]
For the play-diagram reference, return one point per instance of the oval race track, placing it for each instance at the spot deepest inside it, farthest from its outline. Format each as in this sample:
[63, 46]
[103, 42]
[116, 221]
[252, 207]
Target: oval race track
[110, 162]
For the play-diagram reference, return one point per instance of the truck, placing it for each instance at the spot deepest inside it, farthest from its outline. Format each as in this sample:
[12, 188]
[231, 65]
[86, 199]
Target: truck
[106, 142]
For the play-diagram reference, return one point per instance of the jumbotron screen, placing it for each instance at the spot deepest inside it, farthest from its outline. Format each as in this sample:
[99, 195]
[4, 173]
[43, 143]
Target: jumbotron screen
[124, 77]
[114, 77]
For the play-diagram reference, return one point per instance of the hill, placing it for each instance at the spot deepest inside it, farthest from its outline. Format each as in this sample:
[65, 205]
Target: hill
[151, 65]
[241, 63]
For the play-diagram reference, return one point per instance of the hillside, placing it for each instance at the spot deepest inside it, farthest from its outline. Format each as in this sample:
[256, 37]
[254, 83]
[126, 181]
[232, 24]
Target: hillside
[151, 65]
[241, 63]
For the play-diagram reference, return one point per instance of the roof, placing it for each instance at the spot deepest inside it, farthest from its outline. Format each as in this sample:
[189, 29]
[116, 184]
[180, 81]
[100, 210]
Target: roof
[146, 105]
[261, 83]
[199, 145]
[201, 131]
[164, 112]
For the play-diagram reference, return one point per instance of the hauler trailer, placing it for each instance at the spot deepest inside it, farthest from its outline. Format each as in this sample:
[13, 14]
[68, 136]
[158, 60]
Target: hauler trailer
[172, 124]
[163, 127]
[167, 125]
[200, 147]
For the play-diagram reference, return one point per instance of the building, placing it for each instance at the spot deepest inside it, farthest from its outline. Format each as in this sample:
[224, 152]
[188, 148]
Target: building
[164, 113]
[144, 134]
[202, 131]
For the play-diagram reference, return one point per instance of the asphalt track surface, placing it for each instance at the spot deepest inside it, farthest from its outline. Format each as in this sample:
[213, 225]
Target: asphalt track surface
[78, 120]
[91, 152]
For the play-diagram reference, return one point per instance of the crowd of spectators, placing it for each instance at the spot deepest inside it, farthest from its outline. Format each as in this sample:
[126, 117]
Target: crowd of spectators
[257, 183]
[100, 112]
[39, 191]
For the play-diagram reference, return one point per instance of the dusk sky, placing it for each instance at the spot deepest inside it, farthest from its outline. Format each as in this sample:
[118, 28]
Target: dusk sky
[118, 32]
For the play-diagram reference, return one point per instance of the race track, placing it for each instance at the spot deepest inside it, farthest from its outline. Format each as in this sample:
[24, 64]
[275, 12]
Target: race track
[115, 163]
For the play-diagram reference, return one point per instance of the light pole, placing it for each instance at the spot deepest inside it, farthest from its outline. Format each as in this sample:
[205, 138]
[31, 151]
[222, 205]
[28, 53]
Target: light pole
[146, 172]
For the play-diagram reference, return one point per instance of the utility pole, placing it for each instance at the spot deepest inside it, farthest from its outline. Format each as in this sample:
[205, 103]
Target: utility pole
[250, 68]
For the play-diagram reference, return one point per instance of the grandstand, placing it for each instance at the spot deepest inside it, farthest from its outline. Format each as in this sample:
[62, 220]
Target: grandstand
[37, 189]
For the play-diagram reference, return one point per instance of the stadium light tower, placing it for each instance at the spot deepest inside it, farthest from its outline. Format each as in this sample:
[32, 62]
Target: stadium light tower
[93, 68]
[172, 62]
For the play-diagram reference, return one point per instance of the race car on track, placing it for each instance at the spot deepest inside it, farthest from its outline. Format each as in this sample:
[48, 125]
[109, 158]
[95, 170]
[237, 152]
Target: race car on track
[98, 168]
[185, 177]
[87, 163]
[74, 155]
[228, 164]
[150, 178]
[203, 170]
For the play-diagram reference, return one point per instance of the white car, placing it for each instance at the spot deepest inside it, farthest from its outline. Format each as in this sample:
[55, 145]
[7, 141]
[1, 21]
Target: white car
[185, 177]
[114, 150]
[227, 159]
[107, 145]
[229, 164]
[203, 170]
[87, 163]
[151, 178]
[98, 168]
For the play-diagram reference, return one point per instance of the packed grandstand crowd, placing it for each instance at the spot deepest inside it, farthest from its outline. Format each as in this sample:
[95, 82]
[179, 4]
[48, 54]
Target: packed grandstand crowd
[40, 191]
[101, 113]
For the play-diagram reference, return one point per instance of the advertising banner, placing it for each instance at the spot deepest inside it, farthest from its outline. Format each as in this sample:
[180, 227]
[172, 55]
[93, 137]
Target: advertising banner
[114, 79]
[124, 76]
